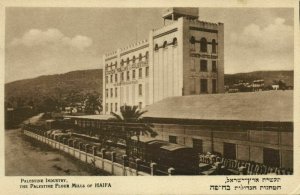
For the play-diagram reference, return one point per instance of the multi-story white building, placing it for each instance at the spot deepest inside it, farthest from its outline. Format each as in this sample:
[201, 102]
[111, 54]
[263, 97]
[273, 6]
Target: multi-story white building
[184, 57]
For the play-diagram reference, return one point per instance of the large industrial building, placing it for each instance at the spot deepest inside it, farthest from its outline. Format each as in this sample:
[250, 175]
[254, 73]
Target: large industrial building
[184, 57]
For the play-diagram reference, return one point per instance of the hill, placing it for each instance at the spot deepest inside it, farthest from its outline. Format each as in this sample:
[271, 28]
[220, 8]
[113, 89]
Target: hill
[89, 81]
[267, 76]
[58, 85]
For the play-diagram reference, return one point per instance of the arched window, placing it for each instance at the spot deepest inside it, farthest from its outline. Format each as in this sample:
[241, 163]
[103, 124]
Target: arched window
[203, 45]
[127, 61]
[140, 57]
[175, 41]
[147, 55]
[192, 40]
[133, 59]
[156, 47]
[165, 44]
[213, 46]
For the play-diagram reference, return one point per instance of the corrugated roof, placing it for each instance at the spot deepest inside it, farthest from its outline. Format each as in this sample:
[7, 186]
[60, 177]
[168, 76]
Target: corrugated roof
[273, 106]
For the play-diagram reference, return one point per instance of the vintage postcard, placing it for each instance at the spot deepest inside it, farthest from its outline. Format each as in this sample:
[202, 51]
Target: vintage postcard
[202, 97]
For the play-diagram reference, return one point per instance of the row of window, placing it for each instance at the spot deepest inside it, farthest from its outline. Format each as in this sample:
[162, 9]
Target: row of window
[203, 86]
[133, 75]
[116, 91]
[165, 44]
[204, 65]
[114, 107]
[134, 59]
[203, 44]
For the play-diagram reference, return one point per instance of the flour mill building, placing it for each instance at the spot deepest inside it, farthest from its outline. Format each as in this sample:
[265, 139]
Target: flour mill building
[184, 57]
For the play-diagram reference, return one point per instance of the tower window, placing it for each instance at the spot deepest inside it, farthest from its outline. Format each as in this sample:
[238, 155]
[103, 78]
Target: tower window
[203, 65]
[175, 41]
[106, 93]
[122, 76]
[203, 85]
[116, 78]
[122, 62]
[128, 76]
[214, 66]
[140, 57]
[140, 73]
[214, 47]
[192, 40]
[116, 107]
[111, 78]
[156, 47]
[147, 71]
[165, 44]
[203, 45]
[214, 85]
[133, 59]
[111, 92]
[116, 92]
[133, 74]
[127, 61]
[140, 89]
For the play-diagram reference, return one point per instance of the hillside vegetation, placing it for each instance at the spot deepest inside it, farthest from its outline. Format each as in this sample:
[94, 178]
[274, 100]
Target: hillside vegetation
[267, 76]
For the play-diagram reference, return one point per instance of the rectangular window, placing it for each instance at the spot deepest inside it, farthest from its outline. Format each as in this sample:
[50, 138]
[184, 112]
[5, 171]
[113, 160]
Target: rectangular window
[106, 93]
[116, 107]
[128, 76]
[111, 92]
[116, 92]
[203, 65]
[133, 74]
[214, 66]
[140, 105]
[173, 139]
[140, 73]
[214, 85]
[106, 107]
[140, 89]
[229, 151]
[147, 71]
[271, 157]
[111, 78]
[106, 79]
[192, 65]
[111, 107]
[198, 145]
[203, 85]
[116, 78]
[122, 76]
[192, 86]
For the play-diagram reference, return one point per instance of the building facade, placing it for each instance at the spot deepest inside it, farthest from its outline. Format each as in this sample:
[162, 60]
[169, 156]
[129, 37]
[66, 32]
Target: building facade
[184, 57]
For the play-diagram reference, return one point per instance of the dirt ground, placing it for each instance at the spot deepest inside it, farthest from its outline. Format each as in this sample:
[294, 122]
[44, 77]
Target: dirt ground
[22, 158]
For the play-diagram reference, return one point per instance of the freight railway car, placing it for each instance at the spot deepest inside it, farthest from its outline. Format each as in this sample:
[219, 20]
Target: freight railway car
[183, 159]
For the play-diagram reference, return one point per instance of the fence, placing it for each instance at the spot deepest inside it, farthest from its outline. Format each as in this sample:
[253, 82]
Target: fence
[107, 161]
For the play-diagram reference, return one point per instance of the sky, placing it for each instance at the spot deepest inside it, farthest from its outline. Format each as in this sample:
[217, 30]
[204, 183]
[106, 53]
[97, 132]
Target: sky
[42, 41]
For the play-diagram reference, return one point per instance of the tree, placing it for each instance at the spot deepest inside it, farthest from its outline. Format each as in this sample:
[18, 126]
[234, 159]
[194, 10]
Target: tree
[93, 104]
[131, 114]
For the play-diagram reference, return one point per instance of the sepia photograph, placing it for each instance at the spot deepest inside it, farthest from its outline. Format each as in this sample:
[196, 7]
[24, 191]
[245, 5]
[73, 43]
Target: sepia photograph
[149, 91]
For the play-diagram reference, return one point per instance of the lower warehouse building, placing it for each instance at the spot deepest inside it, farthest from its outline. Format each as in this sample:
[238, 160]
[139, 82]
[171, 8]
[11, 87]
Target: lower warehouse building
[255, 127]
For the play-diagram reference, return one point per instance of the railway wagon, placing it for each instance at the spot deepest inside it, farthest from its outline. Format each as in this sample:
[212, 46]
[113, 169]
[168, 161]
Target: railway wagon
[183, 159]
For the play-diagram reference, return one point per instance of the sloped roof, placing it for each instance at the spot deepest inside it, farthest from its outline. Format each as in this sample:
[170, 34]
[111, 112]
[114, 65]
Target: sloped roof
[96, 117]
[273, 106]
